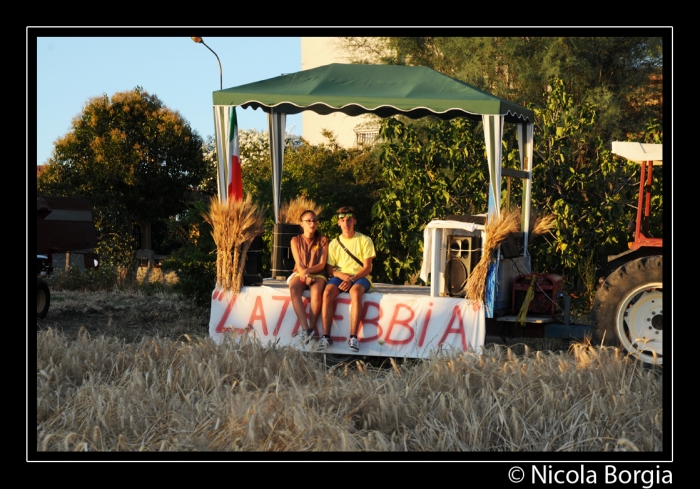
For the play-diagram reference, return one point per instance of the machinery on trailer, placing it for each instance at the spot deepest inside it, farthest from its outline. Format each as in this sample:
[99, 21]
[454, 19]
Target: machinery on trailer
[628, 307]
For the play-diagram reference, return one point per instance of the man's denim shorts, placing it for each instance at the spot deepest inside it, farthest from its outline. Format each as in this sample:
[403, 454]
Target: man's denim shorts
[362, 281]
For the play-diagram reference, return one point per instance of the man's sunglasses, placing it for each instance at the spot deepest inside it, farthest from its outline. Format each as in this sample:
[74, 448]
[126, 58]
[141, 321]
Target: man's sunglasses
[341, 216]
[309, 221]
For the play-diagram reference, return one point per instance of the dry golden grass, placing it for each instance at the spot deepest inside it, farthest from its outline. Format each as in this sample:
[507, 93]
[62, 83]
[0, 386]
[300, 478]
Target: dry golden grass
[152, 275]
[128, 315]
[234, 225]
[496, 230]
[97, 393]
[290, 212]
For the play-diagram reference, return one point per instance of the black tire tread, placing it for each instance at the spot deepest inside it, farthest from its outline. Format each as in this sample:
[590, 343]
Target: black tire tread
[612, 292]
[43, 287]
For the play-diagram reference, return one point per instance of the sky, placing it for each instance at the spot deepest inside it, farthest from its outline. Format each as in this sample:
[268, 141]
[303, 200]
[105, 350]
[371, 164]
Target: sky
[182, 73]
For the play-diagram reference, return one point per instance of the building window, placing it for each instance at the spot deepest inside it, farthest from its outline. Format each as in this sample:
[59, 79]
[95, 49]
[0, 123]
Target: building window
[365, 137]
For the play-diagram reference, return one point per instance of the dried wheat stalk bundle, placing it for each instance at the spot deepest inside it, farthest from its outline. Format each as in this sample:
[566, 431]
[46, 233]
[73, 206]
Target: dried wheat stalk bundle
[290, 212]
[234, 225]
[496, 230]
[540, 224]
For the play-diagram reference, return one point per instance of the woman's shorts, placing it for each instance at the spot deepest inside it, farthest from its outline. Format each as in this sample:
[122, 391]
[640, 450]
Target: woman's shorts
[313, 275]
[362, 281]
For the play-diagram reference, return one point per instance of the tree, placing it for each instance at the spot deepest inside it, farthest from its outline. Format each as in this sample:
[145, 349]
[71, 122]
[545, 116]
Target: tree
[134, 158]
[438, 168]
[585, 91]
[329, 175]
[620, 75]
[195, 257]
[580, 182]
[430, 170]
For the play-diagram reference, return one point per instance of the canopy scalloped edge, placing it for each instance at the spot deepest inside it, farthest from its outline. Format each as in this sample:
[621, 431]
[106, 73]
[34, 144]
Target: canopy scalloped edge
[353, 110]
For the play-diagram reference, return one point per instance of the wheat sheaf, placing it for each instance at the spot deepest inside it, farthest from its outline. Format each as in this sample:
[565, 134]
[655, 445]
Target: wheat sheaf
[290, 212]
[496, 230]
[541, 223]
[235, 223]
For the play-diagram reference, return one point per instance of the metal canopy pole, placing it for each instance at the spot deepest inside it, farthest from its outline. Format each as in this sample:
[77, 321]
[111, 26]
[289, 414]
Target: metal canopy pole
[276, 125]
[493, 134]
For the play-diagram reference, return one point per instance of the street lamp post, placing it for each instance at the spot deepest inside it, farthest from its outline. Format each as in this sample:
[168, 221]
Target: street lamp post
[221, 73]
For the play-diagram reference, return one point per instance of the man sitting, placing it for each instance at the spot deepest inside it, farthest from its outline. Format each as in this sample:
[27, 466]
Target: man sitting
[349, 265]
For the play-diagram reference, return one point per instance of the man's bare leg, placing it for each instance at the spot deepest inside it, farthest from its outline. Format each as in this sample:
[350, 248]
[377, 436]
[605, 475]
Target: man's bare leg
[356, 293]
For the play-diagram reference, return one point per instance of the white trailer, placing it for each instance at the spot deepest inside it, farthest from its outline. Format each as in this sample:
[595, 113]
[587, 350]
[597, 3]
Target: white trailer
[396, 321]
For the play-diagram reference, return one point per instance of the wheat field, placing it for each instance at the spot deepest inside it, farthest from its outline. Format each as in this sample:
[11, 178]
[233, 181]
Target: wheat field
[183, 393]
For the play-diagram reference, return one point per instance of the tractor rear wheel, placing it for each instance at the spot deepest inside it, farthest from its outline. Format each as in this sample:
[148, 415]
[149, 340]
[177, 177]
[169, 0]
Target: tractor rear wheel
[628, 309]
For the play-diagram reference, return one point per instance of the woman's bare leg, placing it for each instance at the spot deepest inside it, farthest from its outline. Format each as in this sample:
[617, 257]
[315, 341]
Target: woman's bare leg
[316, 293]
[296, 287]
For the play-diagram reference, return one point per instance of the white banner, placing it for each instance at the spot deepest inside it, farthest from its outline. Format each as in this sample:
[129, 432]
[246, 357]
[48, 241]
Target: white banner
[392, 325]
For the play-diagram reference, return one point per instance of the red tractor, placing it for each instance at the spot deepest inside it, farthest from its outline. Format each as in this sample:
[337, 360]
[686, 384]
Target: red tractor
[628, 307]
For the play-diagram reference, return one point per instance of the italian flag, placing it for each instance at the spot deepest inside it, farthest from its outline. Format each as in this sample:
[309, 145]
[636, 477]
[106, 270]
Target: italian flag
[235, 183]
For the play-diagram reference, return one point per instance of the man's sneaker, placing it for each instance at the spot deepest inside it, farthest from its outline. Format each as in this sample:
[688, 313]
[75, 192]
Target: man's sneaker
[306, 335]
[324, 343]
[354, 344]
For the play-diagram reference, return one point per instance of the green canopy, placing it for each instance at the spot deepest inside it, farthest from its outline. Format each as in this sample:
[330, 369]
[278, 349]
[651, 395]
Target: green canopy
[384, 90]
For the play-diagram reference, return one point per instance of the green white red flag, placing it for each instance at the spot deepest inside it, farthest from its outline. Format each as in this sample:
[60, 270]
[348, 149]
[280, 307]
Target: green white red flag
[235, 183]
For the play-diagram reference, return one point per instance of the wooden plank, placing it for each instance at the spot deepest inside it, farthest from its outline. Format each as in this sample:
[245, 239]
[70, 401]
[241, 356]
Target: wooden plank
[377, 287]
[528, 319]
[510, 172]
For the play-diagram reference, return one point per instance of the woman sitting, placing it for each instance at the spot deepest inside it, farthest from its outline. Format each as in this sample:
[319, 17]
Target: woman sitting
[310, 250]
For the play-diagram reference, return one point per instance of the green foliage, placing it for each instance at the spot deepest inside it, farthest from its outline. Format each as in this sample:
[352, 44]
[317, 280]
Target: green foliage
[436, 168]
[613, 73]
[586, 92]
[431, 170]
[208, 183]
[162, 237]
[592, 193]
[195, 260]
[188, 242]
[653, 133]
[104, 278]
[333, 177]
[136, 161]
[586, 283]
[329, 175]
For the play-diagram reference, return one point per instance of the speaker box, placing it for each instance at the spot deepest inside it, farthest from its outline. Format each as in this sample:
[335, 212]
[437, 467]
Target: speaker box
[509, 247]
[282, 258]
[253, 263]
[463, 253]
[252, 280]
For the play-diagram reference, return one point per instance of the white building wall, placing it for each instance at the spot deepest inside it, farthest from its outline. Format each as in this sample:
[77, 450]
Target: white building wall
[315, 52]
